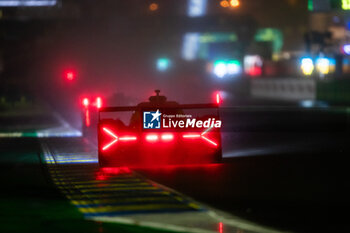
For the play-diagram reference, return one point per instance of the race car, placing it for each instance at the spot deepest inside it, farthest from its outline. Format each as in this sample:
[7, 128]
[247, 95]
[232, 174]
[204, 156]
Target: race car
[159, 132]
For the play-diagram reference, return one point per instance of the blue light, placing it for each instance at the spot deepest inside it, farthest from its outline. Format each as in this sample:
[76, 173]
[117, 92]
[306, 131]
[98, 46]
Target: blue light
[27, 3]
[196, 8]
[163, 64]
[346, 49]
[190, 46]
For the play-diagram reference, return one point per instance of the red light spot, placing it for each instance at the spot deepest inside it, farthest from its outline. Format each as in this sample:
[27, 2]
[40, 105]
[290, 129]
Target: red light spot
[85, 102]
[70, 75]
[87, 118]
[221, 227]
[218, 98]
[98, 102]
[167, 137]
[255, 71]
[152, 137]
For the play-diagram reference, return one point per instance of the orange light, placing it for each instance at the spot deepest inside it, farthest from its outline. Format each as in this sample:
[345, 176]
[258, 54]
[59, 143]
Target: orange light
[98, 102]
[153, 7]
[224, 3]
[234, 3]
[85, 102]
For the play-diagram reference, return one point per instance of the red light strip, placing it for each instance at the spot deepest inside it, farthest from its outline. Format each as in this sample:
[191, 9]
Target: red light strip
[218, 99]
[191, 136]
[201, 136]
[127, 138]
[152, 137]
[110, 144]
[87, 118]
[167, 137]
[110, 133]
[210, 141]
[98, 102]
[114, 141]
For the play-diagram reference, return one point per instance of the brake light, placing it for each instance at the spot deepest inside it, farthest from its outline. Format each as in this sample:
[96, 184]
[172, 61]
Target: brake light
[218, 98]
[115, 138]
[127, 138]
[86, 102]
[197, 135]
[98, 102]
[210, 141]
[152, 137]
[167, 137]
[191, 136]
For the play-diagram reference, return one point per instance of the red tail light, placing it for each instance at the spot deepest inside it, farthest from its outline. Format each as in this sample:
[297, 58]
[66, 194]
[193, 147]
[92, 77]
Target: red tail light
[197, 136]
[86, 102]
[167, 137]
[98, 102]
[115, 138]
[191, 136]
[127, 138]
[152, 137]
[218, 98]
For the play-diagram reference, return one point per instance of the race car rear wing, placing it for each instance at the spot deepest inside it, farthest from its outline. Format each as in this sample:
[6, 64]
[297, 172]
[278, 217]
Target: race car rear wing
[180, 106]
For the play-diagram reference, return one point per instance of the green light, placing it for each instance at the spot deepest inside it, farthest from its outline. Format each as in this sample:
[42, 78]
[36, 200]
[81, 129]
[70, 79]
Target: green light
[345, 4]
[310, 5]
[271, 34]
[233, 62]
[163, 64]
[217, 37]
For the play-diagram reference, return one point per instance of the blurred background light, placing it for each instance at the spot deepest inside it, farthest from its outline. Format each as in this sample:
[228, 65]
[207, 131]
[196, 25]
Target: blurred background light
[153, 7]
[163, 64]
[27, 3]
[223, 68]
[307, 66]
[190, 46]
[233, 67]
[220, 69]
[234, 3]
[346, 49]
[345, 4]
[196, 8]
[224, 3]
[322, 65]
[253, 65]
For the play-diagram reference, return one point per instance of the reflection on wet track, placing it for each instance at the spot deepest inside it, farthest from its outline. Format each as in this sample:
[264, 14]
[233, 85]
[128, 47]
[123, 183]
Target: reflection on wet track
[124, 196]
